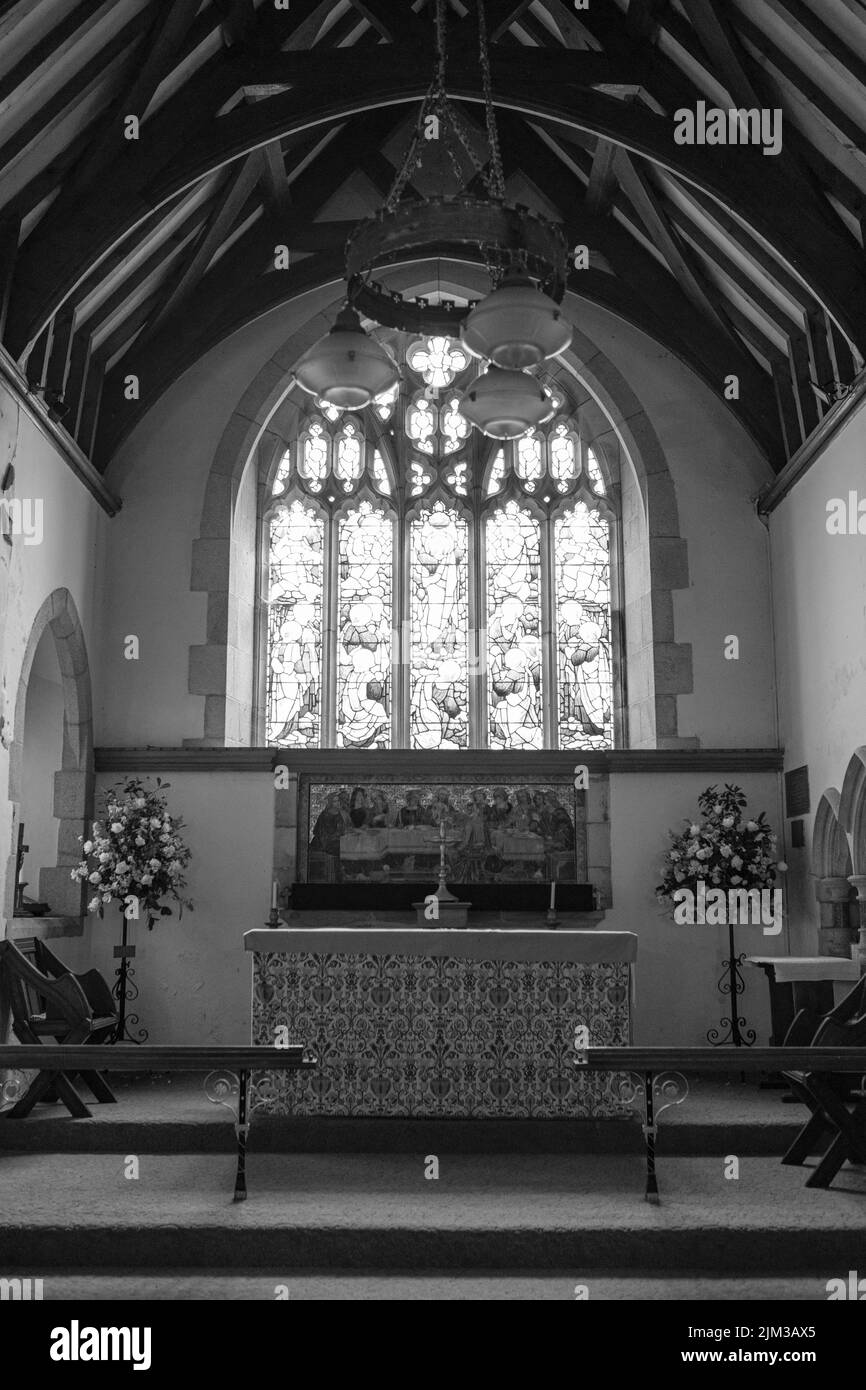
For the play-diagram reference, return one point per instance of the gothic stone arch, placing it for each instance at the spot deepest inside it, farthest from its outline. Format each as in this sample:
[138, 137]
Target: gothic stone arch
[658, 669]
[73, 781]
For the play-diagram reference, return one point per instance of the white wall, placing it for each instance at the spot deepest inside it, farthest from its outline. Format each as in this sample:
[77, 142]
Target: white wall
[193, 974]
[716, 471]
[66, 558]
[678, 966]
[819, 585]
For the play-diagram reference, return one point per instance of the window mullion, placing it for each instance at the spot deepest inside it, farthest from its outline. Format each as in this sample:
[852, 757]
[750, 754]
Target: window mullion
[328, 734]
[550, 712]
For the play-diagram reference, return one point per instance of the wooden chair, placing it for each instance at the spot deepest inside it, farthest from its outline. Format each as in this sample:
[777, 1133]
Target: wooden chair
[96, 989]
[836, 1111]
[42, 1007]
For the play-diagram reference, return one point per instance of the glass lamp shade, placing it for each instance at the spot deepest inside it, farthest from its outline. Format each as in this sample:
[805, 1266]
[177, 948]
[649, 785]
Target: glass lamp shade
[504, 404]
[347, 368]
[516, 326]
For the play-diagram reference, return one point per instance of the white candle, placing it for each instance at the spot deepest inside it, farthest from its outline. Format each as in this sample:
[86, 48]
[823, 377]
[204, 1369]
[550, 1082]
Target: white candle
[274, 894]
[553, 897]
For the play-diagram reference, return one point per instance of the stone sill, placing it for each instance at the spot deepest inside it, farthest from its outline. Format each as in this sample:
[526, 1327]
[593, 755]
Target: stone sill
[20, 928]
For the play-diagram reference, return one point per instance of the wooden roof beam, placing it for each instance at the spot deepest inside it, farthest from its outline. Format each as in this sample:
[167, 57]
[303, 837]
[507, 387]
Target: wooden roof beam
[57, 255]
[602, 178]
[224, 213]
[397, 22]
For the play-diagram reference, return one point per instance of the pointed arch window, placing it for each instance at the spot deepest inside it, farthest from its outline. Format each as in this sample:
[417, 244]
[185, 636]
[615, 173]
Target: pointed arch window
[426, 589]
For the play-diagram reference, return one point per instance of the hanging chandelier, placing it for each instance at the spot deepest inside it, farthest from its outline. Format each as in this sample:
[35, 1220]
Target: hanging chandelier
[347, 368]
[504, 403]
[515, 327]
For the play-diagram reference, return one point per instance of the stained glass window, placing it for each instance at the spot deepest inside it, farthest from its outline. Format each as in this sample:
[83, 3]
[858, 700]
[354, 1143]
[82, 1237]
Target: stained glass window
[414, 529]
[584, 668]
[313, 459]
[364, 629]
[421, 424]
[594, 471]
[296, 583]
[529, 465]
[439, 609]
[497, 473]
[563, 456]
[455, 427]
[349, 461]
[380, 474]
[437, 360]
[281, 477]
[514, 628]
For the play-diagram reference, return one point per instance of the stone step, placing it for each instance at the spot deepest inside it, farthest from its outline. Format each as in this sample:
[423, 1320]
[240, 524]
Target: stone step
[377, 1211]
[470, 1285]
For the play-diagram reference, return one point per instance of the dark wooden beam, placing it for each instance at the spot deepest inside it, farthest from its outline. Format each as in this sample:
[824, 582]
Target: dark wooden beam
[638, 187]
[396, 21]
[10, 230]
[224, 212]
[158, 55]
[367, 64]
[722, 47]
[602, 179]
[820, 37]
[501, 14]
[53, 260]
[73, 91]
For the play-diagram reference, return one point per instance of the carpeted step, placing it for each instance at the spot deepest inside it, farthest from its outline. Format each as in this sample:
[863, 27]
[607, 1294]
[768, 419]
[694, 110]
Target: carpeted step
[437, 1286]
[366, 1211]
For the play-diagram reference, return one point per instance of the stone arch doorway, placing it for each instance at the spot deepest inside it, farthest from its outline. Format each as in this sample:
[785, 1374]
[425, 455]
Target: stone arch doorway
[53, 725]
[832, 869]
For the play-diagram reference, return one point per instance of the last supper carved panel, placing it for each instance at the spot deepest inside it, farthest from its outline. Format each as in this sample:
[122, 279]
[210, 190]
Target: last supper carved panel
[388, 831]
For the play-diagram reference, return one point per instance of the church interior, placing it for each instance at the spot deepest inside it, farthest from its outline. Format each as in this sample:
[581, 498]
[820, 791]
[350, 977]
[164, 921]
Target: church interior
[433, 648]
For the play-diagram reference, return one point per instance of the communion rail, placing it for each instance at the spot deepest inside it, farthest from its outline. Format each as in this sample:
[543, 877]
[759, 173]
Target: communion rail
[657, 1074]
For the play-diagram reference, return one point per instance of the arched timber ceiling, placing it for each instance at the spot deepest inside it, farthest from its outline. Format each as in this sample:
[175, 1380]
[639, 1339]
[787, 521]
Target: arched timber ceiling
[261, 126]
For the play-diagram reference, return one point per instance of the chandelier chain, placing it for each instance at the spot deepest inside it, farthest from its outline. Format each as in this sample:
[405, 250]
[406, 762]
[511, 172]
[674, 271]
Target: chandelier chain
[437, 104]
[497, 181]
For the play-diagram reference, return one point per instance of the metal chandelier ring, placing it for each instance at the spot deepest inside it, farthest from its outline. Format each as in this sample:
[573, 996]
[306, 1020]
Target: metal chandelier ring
[505, 234]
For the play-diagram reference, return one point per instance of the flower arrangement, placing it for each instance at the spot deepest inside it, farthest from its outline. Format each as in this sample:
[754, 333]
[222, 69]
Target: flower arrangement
[136, 852]
[722, 850]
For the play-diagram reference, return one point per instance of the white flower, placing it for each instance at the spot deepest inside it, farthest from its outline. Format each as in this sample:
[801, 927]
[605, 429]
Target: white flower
[164, 837]
[155, 822]
[154, 864]
[751, 825]
[702, 854]
[725, 851]
[116, 827]
[106, 897]
[694, 830]
[94, 877]
[121, 867]
[736, 861]
[88, 846]
[93, 905]
[140, 841]
[146, 879]
[782, 866]
[104, 857]
[736, 879]
[139, 803]
[728, 822]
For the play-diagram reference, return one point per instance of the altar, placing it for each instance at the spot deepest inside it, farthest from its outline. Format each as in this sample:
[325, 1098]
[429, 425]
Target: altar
[413, 1022]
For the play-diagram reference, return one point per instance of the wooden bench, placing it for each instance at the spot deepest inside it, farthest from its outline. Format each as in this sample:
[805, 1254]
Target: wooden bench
[658, 1074]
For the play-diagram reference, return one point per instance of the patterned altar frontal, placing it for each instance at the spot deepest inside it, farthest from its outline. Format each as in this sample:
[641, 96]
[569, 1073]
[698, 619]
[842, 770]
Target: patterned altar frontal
[442, 1036]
